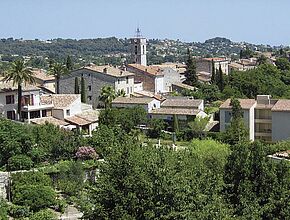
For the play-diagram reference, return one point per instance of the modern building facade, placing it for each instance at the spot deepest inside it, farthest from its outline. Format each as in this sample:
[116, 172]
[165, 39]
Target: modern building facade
[267, 119]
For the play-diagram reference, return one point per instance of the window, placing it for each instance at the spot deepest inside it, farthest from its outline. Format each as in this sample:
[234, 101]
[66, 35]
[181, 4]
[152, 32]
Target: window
[90, 98]
[128, 90]
[127, 79]
[10, 99]
[67, 112]
[90, 88]
[228, 116]
[143, 49]
[44, 113]
[118, 81]
[136, 50]
[11, 115]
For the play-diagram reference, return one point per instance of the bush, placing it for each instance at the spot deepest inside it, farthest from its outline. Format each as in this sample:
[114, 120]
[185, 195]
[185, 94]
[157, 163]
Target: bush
[45, 214]
[3, 210]
[20, 162]
[17, 211]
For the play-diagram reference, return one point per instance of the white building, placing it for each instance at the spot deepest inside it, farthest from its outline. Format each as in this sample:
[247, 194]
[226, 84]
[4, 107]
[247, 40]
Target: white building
[138, 44]
[267, 119]
[148, 104]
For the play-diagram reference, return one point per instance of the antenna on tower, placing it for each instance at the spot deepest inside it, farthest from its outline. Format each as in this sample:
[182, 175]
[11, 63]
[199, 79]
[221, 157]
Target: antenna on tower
[138, 32]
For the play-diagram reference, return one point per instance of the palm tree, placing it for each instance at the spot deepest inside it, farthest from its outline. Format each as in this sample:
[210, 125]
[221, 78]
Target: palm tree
[19, 73]
[121, 93]
[57, 70]
[107, 96]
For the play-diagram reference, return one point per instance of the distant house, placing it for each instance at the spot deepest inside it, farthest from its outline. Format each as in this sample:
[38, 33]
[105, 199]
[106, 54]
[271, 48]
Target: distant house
[148, 104]
[267, 119]
[96, 77]
[184, 108]
[205, 64]
[44, 80]
[151, 77]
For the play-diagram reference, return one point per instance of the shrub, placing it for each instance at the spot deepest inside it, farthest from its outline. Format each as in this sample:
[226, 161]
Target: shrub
[45, 214]
[17, 211]
[20, 162]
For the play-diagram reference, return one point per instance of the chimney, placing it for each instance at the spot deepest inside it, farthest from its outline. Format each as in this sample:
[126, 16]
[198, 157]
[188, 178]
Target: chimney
[105, 70]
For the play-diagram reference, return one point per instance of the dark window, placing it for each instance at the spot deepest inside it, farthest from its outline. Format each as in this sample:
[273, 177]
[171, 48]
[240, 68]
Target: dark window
[67, 112]
[90, 88]
[44, 113]
[11, 115]
[136, 50]
[127, 79]
[143, 49]
[89, 98]
[10, 99]
[118, 81]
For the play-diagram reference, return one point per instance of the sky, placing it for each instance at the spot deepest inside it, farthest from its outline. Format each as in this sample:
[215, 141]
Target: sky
[254, 21]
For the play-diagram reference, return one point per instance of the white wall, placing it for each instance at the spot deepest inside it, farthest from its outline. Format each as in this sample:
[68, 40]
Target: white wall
[159, 84]
[170, 76]
[154, 104]
[280, 126]
[121, 83]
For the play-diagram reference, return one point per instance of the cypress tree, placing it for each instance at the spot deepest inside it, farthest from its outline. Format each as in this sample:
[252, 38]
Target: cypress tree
[175, 124]
[220, 81]
[213, 75]
[69, 63]
[77, 86]
[190, 74]
[83, 91]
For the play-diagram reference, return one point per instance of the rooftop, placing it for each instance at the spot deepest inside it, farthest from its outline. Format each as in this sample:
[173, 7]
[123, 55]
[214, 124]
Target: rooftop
[282, 105]
[51, 120]
[215, 59]
[183, 86]
[8, 86]
[133, 100]
[245, 103]
[151, 70]
[109, 70]
[182, 102]
[42, 75]
[59, 101]
[175, 111]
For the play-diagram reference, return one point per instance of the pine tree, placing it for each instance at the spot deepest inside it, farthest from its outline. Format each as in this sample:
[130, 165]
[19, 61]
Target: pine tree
[69, 63]
[83, 91]
[77, 86]
[190, 74]
[213, 73]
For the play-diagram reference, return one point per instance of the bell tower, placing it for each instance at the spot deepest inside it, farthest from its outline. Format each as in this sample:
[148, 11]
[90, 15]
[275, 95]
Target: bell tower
[139, 49]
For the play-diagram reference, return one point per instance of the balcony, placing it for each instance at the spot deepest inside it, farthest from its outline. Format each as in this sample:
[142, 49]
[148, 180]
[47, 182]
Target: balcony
[36, 107]
[263, 120]
[267, 132]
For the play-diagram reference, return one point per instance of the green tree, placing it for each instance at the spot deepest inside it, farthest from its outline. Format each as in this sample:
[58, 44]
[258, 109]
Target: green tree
[45, 214]
[20, 162]
[19, 74]
[283, 64]
[213, 73]
[237, 131]
[190, 73]
[58, 70]
[220, 79]
[175, 123]
[69, 63]
[121, 93]
[107, 96]
[83, 91]
[77, 86]
[198, 126]
[156, 127]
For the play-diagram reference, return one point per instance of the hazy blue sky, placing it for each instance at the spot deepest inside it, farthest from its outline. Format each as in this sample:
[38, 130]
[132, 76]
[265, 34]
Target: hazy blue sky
[256, 21]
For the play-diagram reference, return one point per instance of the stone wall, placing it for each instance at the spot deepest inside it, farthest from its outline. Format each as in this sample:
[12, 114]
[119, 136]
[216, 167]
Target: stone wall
[4, 184]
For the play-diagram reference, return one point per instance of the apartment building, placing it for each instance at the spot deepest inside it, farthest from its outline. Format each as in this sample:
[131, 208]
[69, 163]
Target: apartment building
[267, 119]
[205, 64]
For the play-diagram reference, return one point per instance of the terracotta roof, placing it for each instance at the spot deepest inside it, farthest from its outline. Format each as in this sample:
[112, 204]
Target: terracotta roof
[282, 105]
[89, 115]
[42, 75]
[78, 120]
[182, 102]
[183, 86]
[109, 70]
[8, 86]
[51, 120]
[217, 59]
[245, 103]
[59, 101]
[174, 111]
[125, 100]
[151, 70]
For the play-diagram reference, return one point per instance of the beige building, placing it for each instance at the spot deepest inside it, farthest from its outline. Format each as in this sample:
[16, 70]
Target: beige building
[44, 80]
[205, 64]
[267, 119]
[96, 77]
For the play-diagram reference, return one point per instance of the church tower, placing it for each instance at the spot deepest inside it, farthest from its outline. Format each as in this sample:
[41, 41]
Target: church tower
[139, 49]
